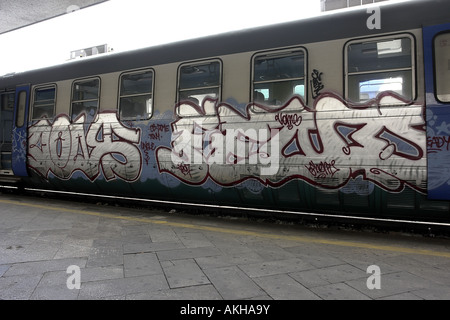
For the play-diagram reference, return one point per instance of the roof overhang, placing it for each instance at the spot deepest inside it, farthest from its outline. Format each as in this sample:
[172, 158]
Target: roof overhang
[21, 13]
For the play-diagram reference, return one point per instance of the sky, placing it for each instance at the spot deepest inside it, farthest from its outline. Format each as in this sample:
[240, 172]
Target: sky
[131, 24]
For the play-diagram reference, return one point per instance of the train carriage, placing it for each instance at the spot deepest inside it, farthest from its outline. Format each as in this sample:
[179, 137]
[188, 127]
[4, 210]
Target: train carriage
[344, 114]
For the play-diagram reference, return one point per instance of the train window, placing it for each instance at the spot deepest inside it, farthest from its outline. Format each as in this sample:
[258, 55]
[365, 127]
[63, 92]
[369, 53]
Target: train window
[375, 66]
[199, 81]
[6, 121]
[44, 102]
[442, 66]
[7, 101]
[21, 109]
[85, 99]
[136, 95]
[277, 76]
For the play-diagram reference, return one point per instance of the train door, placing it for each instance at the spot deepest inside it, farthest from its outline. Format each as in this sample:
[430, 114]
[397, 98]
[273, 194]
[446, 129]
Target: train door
[20, 132]
[6, 119]
[437, 79]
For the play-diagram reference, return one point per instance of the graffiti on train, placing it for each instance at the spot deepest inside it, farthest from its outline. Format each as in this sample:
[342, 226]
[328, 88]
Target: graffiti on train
[438, 147]
[103, 146]
[329, 145]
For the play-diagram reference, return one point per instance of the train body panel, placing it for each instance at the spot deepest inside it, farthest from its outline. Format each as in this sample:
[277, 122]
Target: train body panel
[343, 123]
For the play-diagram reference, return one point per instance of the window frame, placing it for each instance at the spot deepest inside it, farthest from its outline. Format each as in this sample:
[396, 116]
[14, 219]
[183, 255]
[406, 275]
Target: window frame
[7, 93]
[435, 65]
[33, 105]
[280, 53]
[120, 96]
[72, 101]
[386, 38]
[6, 108]
[199, 63]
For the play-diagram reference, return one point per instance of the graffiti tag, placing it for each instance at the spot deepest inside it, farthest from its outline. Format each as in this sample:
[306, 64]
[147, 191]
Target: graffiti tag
[289, 120]
[316, 83]
[322, 169]
[156, 130]
[438, 143]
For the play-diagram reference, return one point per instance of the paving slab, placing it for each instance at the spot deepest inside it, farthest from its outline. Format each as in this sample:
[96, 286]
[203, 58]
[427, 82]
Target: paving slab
[100, 256]
[141, 264]
[329, 275]
[94, 290]
[40, 267]
[201, 292]
[272, 267]
[339, 291]
[232, 283]
[151, 247]
[284, 287]
[18, 287]
[54, 292]
[184, 273]
[181, 254]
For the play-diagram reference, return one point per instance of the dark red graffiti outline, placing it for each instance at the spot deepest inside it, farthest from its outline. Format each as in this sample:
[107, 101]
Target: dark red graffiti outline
[39, 143]
[348, 138]
[315, 140]
[396, 151]
[372, 103]
[294, 140]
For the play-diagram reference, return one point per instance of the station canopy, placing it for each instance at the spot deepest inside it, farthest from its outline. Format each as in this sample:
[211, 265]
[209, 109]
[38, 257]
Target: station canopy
[21, 13]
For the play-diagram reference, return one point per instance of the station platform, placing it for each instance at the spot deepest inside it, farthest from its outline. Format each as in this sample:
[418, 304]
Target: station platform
[54, 249]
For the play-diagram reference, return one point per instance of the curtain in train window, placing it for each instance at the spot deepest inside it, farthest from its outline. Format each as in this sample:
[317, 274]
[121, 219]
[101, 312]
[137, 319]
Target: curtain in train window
[44, 103]
[378, 66]
[85, 99]
[278, 76]
[136, 95]
[442, 66]
[199, 81]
